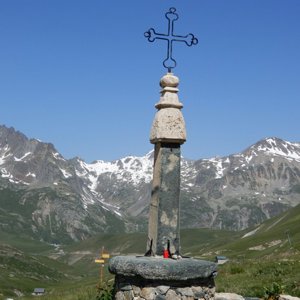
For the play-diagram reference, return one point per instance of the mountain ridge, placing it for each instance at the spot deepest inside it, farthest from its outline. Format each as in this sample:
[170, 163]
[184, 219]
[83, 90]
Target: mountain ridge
[74, 199]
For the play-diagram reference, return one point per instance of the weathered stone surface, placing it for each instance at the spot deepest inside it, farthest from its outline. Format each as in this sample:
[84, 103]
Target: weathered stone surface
[164, 269]
[160, 297]
[153, 290]
[199, 295]
[168, 125]
[125, 287]
[288, 297]
[136, 290]
[169, 80]
[128, 295]
[148, 293]
[119, 296]
[199, 292]
[164, 208]
[162, 289]
[171, 295]
[228, 296]
[187, 291]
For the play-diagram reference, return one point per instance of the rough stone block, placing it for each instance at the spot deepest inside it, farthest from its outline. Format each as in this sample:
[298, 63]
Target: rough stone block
[187, 291]
[128, 295]
[162, 289]
[199, 295]
[148, 293]
[136, 290]
[228, 296]
[197, 289]
[171, 295]
[125, 287]
[288, 297]
[119, 296]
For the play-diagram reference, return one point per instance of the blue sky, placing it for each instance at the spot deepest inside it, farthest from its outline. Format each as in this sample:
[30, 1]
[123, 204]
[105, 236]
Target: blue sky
[81, 74]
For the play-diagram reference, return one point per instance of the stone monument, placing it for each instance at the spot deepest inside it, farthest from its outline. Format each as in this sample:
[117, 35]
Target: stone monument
[163, 273]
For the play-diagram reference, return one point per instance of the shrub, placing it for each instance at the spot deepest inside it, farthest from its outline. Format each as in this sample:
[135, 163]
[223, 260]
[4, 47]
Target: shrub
[273, 292]
[105, 291]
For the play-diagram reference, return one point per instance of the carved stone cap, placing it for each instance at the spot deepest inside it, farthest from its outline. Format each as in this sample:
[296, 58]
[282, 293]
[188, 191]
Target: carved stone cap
[168, 124]
[169, 97]
[169, 80]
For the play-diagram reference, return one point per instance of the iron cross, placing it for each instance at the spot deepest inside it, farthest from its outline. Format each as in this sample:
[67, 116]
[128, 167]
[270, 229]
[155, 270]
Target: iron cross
[189, 39]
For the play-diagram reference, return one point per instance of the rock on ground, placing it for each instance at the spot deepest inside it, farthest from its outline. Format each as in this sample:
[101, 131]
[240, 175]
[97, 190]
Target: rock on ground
[228, 296]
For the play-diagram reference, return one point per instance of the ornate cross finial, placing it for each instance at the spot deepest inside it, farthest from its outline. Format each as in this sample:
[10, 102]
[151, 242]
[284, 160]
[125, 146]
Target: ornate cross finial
[189, 39]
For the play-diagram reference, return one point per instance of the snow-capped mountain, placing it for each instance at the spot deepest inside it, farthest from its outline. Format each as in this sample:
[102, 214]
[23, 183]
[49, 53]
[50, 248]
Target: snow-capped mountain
[43, 194]
[243, 189]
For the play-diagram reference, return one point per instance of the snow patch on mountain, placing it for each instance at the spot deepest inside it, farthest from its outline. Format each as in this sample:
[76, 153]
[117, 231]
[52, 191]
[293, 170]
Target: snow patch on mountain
[65, 173]
[218, 164]
[87, 198]
[188, 174]
[248, 158]
[277, 147]
[23, 157]
[5, 174]
[58, 156]
[5, 154]
[30, 174]
[131, 168]
[220, 168]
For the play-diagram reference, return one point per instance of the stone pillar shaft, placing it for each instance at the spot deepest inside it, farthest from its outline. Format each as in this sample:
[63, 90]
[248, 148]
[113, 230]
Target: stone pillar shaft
[167, 134]
[164, 207]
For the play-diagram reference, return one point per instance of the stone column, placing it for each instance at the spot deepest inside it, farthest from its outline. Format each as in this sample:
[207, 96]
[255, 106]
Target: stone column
[167, 134]
[143, 277]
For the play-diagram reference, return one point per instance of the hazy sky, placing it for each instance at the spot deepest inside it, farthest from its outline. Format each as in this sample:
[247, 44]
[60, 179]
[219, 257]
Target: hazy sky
[81, 74]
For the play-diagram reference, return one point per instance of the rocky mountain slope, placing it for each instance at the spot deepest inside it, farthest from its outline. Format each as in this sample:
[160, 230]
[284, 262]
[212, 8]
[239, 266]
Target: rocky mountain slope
[54, 199]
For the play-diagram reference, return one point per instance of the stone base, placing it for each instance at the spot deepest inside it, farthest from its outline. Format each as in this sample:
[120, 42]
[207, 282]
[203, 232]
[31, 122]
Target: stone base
[149, 278]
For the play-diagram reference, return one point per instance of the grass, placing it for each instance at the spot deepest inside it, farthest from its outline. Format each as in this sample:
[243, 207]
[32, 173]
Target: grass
[251, 278]
[201, 242]
[81, 290]
[24, 243]
[85, 289]
[26, 264]
[23, 272]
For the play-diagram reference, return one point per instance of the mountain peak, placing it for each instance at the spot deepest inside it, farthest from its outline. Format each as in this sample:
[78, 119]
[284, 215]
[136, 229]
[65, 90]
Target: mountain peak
[275, 147]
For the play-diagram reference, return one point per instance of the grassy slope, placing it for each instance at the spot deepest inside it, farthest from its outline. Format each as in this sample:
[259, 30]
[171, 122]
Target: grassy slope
[23, 272]
[24, 243]
[271, 237]
[251, 272]
[247, 272]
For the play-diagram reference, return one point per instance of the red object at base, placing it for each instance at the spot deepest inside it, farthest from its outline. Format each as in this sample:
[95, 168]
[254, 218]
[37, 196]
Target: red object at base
[166, 254]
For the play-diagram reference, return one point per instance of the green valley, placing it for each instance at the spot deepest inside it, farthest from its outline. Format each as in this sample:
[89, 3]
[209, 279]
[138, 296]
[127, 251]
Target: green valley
[258, 259]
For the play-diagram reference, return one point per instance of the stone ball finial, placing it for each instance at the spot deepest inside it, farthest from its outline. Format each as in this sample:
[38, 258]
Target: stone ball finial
[169, 80]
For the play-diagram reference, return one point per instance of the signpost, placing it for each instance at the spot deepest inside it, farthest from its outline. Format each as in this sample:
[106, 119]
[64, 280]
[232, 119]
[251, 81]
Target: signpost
[103, 255]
